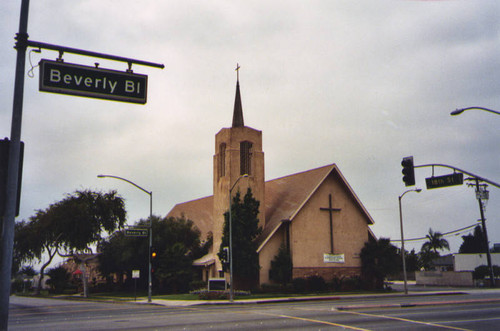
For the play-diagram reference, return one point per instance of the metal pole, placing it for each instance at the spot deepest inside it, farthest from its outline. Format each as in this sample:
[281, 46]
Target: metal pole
[405, 279]
[231, 287]
[150, 281]
[150, 278]
[486, 243]
[403, 247]
[231, 293]
[8, 221]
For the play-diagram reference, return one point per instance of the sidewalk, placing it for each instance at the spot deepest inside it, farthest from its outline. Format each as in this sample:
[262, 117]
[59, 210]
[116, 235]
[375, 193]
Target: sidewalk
[185, 303]
[413, 291]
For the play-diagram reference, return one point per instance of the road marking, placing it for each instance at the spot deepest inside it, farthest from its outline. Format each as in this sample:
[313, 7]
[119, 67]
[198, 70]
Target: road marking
[314, 321]
[404, 320]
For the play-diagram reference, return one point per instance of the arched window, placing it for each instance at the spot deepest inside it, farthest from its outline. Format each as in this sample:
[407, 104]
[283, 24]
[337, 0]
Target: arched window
[245, 158]
[222, 160]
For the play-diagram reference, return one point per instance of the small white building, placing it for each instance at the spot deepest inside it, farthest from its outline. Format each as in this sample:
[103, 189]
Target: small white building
[469, 262]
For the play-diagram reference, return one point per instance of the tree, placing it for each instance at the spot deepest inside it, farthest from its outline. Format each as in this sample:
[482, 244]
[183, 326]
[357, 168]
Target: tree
[435, 242]
[245, 229]
[426, 256]
[281, 267]
[379, 258]
[411, 261]
[473, 243]
[177, 242]
[70, 225]
[59, 279]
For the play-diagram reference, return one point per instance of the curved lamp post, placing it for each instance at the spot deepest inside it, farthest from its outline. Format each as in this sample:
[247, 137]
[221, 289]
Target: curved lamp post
[231, 287]
[403, 239]
[460, 111]
[150, 282]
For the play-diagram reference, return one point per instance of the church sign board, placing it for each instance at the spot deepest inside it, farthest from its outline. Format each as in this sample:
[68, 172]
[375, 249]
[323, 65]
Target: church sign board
[92, 82]
[333, 258]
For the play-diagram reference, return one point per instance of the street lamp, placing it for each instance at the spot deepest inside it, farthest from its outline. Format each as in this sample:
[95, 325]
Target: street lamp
[461, 110]
[231, 287]
[150, 282]
[403, 239]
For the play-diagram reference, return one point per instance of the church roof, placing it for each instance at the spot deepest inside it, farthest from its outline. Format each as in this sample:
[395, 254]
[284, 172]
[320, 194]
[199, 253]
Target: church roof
[284, 196]
[238, 109]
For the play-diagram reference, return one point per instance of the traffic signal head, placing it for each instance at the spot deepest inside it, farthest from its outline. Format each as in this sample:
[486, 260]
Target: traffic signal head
[154, 254]
[408, 171]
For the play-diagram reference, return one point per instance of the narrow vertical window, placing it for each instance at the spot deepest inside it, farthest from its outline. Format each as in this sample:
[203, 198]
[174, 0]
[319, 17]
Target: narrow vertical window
[245, 158]
[222, 160]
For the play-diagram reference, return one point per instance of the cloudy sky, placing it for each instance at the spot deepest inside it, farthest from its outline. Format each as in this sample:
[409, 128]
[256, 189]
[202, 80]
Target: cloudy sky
[358, 83]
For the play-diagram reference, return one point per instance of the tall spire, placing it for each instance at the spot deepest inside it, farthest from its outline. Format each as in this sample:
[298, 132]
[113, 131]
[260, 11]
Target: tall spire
[238, 110]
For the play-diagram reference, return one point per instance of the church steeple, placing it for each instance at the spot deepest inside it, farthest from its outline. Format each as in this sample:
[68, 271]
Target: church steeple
[238, 110]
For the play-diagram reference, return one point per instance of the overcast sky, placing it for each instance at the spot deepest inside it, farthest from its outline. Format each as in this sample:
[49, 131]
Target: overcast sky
[358, 83]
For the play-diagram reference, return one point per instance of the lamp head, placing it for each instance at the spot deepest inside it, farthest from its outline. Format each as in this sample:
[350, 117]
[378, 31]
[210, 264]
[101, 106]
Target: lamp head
[418, 190]
[457, 112]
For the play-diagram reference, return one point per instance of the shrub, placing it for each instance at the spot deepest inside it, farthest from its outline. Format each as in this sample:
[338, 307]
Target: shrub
[316, 284]
[483, 271]
[197, 284]
[299, 285]
[336, 284]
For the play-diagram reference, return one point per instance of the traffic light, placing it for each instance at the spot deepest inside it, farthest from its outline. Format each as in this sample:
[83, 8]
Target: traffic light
[224, 257]
[408, 171]
[154, 257]
[4, 164]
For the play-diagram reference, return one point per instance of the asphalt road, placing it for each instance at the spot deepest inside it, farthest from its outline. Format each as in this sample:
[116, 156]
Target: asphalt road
[476, 310]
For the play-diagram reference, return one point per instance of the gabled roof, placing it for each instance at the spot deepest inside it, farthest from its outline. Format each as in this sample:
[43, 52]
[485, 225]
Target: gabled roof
[200, 211]
[286, 196]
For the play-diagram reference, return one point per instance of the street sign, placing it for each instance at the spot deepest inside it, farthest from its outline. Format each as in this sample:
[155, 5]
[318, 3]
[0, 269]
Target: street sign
[446, 180]
[92, 82]
[136, 274]
[136, 232]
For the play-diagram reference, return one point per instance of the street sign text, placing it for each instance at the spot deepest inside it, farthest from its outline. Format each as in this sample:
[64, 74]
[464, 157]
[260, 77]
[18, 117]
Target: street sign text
[136, 232]
[85, 81]
[446, 180]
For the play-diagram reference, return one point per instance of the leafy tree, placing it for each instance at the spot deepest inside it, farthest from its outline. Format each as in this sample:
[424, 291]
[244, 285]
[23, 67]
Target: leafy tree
[412, 261]
[483, 270]
[245, 229]
[281, 267]
[426, 256]
[379, 258]
[435, 242]
[473, 243]
[70, 225]
[59, 279]
[177, 242]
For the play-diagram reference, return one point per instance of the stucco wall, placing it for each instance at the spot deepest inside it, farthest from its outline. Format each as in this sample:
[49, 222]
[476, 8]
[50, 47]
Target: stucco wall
[444, 278]
[310, 229]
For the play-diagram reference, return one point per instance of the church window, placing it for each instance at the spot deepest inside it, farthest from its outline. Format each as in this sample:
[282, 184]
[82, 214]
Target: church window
[245, 158]
[222, 160]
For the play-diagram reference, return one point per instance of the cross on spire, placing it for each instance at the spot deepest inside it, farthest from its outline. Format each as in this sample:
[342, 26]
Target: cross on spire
[237, 71]
[330, 211]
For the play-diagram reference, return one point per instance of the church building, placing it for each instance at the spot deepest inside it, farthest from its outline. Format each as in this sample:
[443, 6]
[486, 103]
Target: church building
[315, 214]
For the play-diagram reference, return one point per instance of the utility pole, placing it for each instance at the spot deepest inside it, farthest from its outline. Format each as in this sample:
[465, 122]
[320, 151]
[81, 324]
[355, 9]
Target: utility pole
[8, 221]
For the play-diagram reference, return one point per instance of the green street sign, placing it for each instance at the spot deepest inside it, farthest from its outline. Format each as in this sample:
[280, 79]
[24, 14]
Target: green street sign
[136, 232]
[85, 81]
[444, 181]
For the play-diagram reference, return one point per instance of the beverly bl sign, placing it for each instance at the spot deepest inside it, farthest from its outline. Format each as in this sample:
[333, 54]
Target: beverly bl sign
[85, 81]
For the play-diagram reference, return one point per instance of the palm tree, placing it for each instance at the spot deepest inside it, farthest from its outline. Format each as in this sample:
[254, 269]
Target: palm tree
[435, 242]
